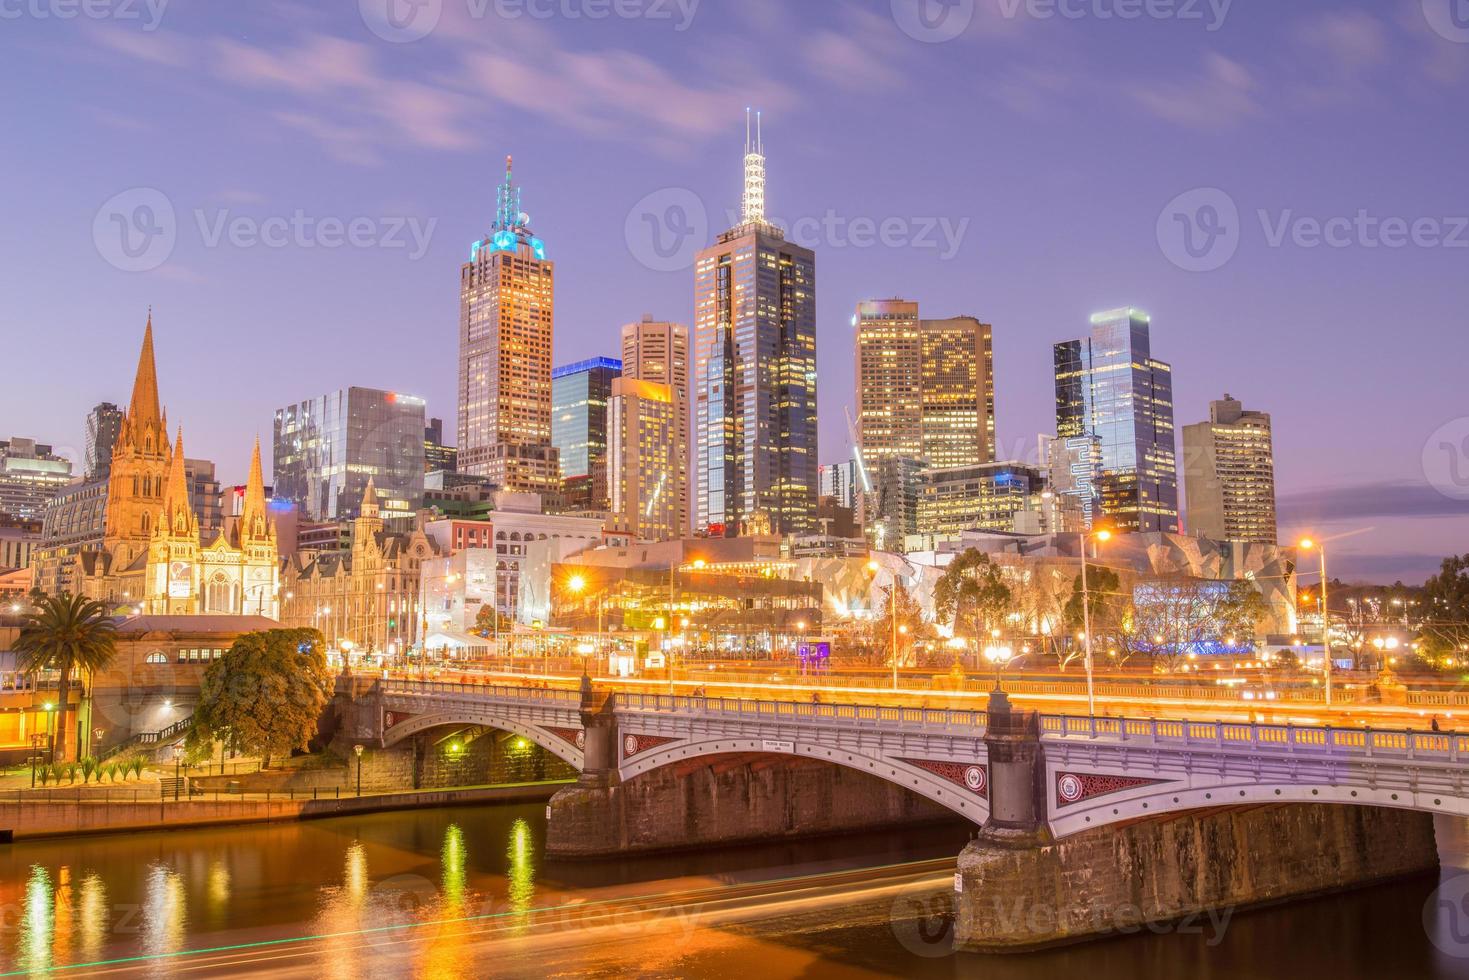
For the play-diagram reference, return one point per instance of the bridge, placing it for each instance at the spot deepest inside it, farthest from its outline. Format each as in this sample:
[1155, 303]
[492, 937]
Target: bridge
[1097, 771]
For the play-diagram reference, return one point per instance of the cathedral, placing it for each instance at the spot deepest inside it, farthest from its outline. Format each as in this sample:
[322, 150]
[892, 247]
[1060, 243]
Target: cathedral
[151, 556]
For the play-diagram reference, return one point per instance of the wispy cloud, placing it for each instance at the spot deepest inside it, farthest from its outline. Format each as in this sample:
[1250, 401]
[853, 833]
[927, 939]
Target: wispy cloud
[1386, 499]
[1219, 97]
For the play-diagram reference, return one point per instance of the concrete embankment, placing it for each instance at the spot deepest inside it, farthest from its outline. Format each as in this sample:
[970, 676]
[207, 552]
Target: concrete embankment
[1171, 869]
[19, 821]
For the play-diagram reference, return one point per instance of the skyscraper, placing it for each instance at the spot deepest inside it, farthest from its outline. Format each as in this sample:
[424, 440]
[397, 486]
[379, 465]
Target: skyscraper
[1109, 386]
[579, 394]
[658, 351]
[437, 456]
[30, 475]
[505, 330]
[642, 423]
[755, 373]
[1229, 474]
[925, 388]
[328, 448]
[103, 423]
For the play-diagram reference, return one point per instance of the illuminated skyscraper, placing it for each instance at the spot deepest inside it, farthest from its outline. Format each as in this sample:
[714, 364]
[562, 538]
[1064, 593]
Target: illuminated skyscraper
[642, 424]
[755, 373]
[925, 388]
[658, 351]
[1108, 386]
[104, 422]
[579, 394]
[505, 329]
[1229, 474]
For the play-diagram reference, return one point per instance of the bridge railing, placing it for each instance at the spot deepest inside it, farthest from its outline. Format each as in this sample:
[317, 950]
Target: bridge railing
[462, 689]
[866, 715]
[1221, 735]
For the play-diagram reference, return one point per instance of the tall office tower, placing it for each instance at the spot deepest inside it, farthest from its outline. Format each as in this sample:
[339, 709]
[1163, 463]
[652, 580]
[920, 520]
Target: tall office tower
[30, 475]
[505, 328]
[1229, 474]
[958, 391]
[1072, 468]
[103, 423]
[642, 437]
[658, 351]
[437, 456]
[1108, 386]
[579, 394]
[925, 388]
[328, 448]
[204, 498]
[840, 481]
[755, 373]
[890, 510]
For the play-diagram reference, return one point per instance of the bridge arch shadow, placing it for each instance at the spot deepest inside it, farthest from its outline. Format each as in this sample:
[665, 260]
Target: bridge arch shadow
[950, 793]
[550, 741]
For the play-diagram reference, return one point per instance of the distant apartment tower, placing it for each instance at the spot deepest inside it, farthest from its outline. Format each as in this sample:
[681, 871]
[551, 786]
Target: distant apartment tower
[505, 330]
[437, 457]
[925, 388]
[1109, 387]
[30, 475]
[1229, 474]
[755, 373]
[579, 396]
[204, 498]
[658, 351]
[328, 448]
[642, 422]
[103, 424]
[840, 481]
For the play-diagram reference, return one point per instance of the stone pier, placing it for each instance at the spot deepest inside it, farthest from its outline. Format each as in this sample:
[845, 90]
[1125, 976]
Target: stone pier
[1021, 890]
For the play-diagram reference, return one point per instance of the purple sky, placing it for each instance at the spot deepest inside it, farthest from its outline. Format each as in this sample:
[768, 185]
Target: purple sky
[1050, 147]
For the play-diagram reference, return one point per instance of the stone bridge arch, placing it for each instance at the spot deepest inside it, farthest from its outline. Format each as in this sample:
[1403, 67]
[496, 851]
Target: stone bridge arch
[959, 785]
[563, 742]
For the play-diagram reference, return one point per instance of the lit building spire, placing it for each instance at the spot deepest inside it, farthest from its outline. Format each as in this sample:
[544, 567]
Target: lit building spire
[753, 202]
[507, 203]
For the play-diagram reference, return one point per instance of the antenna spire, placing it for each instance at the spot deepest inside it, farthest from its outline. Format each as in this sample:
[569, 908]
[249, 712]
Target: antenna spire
[753, 200]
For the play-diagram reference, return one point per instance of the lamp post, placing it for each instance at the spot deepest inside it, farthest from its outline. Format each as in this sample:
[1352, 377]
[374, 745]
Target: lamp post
[1086, 619]
[998, 654]
[357, 750]
[50, 733]
[1308, 544]
[178, 761]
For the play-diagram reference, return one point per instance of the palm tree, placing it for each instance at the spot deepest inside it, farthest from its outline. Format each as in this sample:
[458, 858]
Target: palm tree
[67, 634]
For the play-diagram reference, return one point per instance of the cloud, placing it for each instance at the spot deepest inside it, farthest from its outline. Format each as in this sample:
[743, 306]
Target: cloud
[1220, 96]
[153, 46]
[865, 55]
[1386, 499]
[1352, 40]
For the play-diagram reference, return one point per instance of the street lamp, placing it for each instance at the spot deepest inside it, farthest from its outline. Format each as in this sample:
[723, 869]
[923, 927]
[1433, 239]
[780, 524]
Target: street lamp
[873, 567]
[1103, 536]
[999, 655]
[357, 750]
[1308, 544]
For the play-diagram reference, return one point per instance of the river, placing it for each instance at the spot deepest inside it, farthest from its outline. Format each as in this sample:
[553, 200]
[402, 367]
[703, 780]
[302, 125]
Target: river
[469, 892]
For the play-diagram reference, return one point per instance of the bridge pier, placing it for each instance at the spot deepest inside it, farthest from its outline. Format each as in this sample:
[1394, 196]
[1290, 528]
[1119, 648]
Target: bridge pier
[1019, 889]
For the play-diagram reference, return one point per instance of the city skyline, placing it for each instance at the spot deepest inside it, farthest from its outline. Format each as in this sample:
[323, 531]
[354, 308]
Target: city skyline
[1300, 296]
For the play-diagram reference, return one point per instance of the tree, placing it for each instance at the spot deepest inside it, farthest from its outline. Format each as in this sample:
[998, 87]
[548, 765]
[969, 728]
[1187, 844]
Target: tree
[1240, 612]
[67, 634]
[485, 621]
[1445, 628]
[1111, 614]
[972, 594]
[265, 695]
[913, 629]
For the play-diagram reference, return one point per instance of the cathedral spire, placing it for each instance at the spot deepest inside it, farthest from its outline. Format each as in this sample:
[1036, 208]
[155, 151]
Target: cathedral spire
[143, 410]
[252, 513]
[177, 510]
[369, 500]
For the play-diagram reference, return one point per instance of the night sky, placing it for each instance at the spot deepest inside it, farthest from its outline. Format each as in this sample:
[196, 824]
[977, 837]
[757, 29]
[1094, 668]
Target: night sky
[293, 188]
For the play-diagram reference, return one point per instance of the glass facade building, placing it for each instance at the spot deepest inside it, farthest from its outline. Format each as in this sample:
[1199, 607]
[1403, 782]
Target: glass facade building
[104, 422]
[579, 395]
[30, 475]
[755, 375]
[327, 448]
[1110, 388]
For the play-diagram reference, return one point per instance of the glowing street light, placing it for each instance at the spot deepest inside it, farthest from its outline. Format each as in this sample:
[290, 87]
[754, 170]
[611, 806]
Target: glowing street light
[1101, 535]
[1307, 544]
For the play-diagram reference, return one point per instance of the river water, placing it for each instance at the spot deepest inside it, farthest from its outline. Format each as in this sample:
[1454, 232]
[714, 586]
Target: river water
[469, 892]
